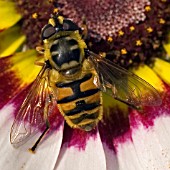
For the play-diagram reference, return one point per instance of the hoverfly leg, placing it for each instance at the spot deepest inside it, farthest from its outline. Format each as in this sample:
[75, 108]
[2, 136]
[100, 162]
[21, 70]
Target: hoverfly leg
[46, 112]
[84, 28]
[33, 148]
[39, 63]
[40, 49]
[130, 105]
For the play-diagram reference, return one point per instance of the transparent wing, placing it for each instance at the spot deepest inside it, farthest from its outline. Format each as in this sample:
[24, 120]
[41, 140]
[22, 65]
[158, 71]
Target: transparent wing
[122, 84]
[32, 115]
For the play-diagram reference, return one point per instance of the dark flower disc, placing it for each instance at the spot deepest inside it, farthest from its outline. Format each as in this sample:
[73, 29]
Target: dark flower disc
[128, 32]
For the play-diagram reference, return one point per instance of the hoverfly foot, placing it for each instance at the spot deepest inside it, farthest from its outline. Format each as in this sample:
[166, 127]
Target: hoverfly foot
[31, 150]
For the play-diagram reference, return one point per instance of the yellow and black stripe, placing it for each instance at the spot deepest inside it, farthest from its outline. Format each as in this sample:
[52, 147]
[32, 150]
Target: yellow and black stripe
[80, 102]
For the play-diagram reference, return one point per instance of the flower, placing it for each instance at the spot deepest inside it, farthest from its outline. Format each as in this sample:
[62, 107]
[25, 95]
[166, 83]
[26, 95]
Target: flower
[134, 34]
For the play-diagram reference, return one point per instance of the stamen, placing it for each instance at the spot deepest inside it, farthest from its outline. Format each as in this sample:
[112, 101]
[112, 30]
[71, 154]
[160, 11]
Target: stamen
[149, 29]
[138, 42]
[123, 51]
[34, 15]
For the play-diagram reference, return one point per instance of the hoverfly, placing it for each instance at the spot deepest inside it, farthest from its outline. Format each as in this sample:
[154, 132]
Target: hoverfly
[73, 78]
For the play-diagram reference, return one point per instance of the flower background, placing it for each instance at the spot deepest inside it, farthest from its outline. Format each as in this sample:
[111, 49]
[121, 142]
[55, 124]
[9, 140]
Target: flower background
[134, 34]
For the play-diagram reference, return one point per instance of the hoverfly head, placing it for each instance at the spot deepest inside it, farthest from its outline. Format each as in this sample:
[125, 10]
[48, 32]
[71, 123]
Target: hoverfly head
[56, 24]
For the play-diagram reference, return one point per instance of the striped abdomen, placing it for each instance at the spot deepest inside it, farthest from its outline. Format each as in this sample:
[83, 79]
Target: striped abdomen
[80, 102]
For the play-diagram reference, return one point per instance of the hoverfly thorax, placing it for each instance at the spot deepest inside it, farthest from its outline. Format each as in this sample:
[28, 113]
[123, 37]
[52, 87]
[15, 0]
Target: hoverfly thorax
[64, 46]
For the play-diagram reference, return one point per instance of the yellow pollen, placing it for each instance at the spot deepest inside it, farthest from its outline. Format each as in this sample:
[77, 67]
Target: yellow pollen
[132, 28]
[135, 54]
[55, 10]
[162, 21]
[103, 54]
[123, 51]
[109, 39]
[130, 61]
[163, 0]
[121, 33]
[34, 15]
[149, 29]
[147, 8]
[138, 42]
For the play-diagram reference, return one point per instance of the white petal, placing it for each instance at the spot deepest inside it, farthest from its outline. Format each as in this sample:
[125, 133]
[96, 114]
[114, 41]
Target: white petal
[45, 156]
[111, 158]
[127, 157]
[149, 148]
[92, 158]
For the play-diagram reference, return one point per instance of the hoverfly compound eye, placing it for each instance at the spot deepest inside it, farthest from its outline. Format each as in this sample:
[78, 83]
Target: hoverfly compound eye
[68, 25]
[48, 31]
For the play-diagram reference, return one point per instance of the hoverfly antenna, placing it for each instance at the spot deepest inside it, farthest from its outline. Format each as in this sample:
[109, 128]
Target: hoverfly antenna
[56, 21]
